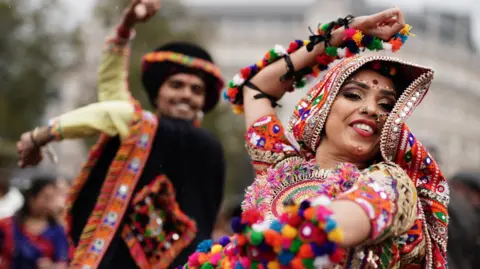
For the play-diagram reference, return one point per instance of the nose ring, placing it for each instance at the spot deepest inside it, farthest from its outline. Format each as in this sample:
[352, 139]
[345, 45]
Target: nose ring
[364, 109]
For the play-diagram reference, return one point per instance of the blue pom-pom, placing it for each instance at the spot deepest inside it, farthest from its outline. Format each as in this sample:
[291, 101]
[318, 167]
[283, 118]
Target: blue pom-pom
[322, 67]
[276, 226]
[225, 96]
[238, 265]
[263, 247]
[237, 225]
[301, 211]
[404, 38]
[254, 69]
[285, 257]
[330, 225]
[329, 247]
[352, 46]
[319, 250]
[204, 246]
[367, 40]
[397, 35]
[224, 241]
[305, 204]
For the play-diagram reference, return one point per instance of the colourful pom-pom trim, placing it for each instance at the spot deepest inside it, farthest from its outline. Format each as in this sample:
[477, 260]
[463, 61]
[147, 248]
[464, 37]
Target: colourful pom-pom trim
[354, 39]
[304, 236]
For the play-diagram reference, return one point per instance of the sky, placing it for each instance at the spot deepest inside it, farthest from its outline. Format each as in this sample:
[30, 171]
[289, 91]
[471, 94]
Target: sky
[81, 9]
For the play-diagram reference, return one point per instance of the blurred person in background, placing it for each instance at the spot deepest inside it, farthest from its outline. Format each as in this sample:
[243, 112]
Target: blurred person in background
[464, 234]
[63, 186]
[33, 238]
[10, 197]
[153, 184]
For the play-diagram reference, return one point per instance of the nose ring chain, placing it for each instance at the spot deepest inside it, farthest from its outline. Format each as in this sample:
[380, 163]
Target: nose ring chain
[378, 116]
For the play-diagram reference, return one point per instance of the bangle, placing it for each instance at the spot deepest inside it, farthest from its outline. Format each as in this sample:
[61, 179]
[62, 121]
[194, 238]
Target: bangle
[32, 137]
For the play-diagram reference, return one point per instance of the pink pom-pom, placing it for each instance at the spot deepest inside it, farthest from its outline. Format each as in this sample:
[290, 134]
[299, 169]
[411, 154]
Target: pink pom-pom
[215, 258]
[193, 259]
[245, 262]
[349, 33]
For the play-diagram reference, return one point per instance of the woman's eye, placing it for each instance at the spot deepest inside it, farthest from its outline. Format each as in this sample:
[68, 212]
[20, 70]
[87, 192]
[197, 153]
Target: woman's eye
[387, 107]
[352, 96]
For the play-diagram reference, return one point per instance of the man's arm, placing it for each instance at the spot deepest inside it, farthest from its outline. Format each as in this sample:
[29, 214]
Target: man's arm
[112, 118]
[113, 72]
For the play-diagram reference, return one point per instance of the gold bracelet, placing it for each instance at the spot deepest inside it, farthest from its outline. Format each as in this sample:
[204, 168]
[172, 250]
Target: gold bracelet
[33, 134]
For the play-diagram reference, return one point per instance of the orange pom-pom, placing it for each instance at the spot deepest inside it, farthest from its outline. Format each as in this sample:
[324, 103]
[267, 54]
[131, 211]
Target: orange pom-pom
[296, 264]
[396, 44]
[306, 252]
[309, 213]
[241, 240]
[202, 258]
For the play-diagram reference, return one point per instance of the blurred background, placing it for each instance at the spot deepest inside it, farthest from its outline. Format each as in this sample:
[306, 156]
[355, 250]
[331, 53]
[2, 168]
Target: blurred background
[50, 49]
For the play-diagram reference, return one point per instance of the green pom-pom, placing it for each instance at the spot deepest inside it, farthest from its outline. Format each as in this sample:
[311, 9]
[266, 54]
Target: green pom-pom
[254, 265]
[296, 244]
[308, 263]
[331, 51]
[376, 44]
[256, 238]
[273, 55]
[300, 84]
[207, 265]
[324, 26]
[231, 84]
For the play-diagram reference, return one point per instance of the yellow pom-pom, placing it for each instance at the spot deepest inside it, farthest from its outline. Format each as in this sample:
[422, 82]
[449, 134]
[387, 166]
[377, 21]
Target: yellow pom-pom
[290, 209]
[406, 30]
[260, 64]
[335, 235]
[289, 232]
[357, 37]
[237, 109]
[216, 248]
[273, 265]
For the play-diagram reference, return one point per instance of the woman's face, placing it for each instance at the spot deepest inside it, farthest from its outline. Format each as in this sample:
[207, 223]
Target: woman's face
[43, 203]
[357, 116]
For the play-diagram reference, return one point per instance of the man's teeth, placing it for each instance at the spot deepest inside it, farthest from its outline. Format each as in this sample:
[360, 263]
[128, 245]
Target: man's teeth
[363, 127]
[183, 106]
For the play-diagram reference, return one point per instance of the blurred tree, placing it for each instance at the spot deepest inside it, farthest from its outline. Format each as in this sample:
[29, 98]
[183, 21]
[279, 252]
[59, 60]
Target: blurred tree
[174, 22]
[34, 52]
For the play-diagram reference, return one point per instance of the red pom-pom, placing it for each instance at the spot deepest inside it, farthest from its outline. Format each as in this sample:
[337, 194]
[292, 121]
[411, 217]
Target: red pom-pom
[245, 72]
[337, 256]
[348, 53]
[324, 59]
[251, 217]
[293, 47]
[319, 236]
[294, 220]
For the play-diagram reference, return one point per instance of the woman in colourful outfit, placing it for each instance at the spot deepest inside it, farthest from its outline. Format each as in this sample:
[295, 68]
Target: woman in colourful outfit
[353, 187]
[33, 238]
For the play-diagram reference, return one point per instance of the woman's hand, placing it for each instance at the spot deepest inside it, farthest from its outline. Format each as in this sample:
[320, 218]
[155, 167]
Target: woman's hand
[140, 11]
[383, 25]
[29, 152]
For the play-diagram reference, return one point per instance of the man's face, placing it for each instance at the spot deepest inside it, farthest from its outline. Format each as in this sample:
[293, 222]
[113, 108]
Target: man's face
[181, 96]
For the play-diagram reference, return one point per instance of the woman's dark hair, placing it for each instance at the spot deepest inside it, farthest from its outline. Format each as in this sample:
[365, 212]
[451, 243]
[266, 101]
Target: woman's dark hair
[38, 185]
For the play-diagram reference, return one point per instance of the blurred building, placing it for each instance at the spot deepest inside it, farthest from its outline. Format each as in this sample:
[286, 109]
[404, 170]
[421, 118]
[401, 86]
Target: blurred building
[449, 117]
